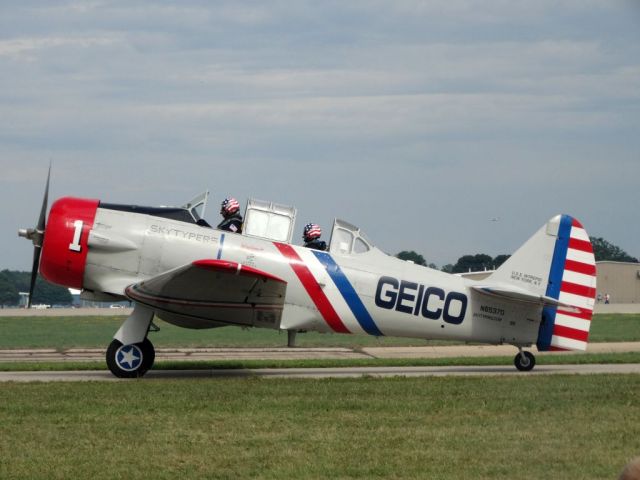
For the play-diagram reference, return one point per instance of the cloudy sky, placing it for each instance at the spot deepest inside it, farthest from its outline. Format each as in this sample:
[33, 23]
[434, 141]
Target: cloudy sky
[421, 122]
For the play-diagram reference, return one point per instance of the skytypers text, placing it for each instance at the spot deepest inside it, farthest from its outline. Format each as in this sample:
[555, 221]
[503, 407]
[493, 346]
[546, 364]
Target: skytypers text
[416, 299]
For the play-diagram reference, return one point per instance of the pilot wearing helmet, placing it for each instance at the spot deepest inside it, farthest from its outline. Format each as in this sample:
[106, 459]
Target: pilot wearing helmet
[230, 210]
[311, 235]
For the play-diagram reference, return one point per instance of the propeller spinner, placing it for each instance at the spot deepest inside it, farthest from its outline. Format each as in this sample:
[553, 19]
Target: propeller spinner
[36, 235]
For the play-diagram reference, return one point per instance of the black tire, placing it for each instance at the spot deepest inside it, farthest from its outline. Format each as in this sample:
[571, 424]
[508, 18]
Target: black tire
[148, 354]
[525, 361]
[130, 361]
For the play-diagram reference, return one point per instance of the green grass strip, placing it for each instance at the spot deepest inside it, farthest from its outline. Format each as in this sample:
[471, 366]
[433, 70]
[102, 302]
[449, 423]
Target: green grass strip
[483, 428]
[96, 332]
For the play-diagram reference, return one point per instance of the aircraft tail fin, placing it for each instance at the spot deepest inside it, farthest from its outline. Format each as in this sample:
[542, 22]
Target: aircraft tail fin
[557, 267]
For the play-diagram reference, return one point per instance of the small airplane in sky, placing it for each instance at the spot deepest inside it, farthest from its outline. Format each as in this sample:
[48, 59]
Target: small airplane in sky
[173, 265]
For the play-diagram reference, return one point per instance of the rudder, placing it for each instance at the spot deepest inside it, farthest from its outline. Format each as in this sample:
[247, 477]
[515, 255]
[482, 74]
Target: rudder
[572, 280]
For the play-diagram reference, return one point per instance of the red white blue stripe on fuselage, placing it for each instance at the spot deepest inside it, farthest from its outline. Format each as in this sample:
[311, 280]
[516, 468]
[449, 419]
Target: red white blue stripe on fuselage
[348, 293]
[325, 306]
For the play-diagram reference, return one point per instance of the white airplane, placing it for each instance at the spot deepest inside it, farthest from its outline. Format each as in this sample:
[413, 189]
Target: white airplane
[174, 266]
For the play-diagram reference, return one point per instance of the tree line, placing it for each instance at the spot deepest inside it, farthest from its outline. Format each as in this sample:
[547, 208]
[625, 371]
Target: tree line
[466, 263]
[13, 282]
[479, 262]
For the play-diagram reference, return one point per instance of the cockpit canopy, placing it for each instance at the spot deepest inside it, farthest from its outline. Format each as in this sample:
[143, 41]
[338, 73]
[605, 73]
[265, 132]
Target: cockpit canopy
[262, 219]
[348, 239]
[276, 222]
[269, 220]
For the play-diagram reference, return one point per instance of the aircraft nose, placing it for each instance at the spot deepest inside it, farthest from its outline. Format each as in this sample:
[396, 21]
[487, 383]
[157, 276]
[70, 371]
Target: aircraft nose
[65, 248]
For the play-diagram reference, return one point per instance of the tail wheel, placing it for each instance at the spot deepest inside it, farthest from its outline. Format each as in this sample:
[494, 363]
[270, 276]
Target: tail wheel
[525, 361]
[130, 361]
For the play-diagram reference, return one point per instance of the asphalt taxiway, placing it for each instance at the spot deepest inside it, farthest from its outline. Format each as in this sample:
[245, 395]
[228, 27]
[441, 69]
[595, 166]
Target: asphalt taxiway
[297, 353]
[347, 372]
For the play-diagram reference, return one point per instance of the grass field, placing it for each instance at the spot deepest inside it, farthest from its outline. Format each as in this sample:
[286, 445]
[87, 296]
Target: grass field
[615, 328]
[568, 427]
[66, 332]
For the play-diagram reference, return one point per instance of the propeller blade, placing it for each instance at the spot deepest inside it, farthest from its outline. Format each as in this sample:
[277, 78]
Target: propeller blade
[45, 201]
[34, 273]
[39, 239]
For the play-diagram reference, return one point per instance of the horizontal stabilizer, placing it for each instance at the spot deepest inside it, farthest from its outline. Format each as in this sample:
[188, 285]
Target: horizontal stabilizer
[518, 295]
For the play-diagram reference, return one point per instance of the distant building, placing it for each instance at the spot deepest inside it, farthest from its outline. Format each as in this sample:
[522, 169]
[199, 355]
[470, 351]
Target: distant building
[24, 299]
[76, 302]
[621, 280]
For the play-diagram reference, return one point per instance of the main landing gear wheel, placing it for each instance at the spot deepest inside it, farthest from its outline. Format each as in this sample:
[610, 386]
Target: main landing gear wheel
[130, 361]
[524, 361]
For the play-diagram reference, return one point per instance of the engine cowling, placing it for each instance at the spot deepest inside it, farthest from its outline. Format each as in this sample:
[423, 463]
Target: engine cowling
[64, 251]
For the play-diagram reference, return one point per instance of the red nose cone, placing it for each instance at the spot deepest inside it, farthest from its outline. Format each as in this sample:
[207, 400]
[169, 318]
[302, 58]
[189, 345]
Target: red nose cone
[64, 252]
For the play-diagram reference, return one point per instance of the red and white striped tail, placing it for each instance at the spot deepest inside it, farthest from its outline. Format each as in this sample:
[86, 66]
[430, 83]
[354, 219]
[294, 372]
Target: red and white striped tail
[574, 270]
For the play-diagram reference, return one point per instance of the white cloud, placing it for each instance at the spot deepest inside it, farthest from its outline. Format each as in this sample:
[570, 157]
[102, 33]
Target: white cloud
[458, 110]
[18, 47]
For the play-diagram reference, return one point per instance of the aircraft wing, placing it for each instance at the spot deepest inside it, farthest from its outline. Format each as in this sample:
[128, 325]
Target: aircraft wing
[520, 295]
[214, 290]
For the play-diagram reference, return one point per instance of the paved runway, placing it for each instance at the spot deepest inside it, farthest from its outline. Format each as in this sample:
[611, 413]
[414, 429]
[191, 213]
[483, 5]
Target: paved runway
[350, 372]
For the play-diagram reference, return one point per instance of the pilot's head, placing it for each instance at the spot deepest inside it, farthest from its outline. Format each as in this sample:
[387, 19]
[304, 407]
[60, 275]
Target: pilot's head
[311, 232]
[229, 206]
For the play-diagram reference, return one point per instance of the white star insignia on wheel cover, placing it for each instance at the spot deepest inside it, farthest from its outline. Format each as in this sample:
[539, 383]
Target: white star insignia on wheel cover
[129, 357]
